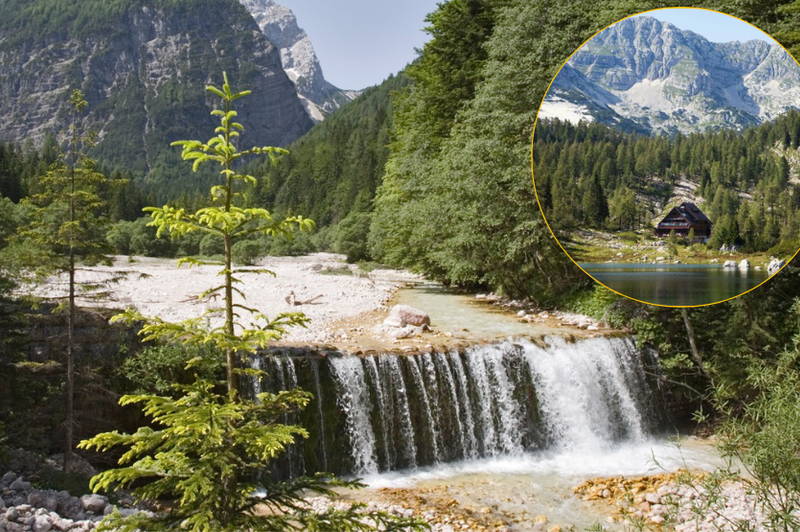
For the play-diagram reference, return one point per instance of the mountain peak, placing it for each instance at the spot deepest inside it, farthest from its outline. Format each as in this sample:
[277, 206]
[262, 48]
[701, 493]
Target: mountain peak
[279, 25]
[667, 80]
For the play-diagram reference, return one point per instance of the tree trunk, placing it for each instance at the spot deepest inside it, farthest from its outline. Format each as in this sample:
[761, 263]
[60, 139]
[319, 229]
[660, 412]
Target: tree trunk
[68, 437]
[693, 344]
[70, 370]
[230, 354]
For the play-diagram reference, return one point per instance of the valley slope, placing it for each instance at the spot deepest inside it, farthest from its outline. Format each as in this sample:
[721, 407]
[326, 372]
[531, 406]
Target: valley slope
[143, 67]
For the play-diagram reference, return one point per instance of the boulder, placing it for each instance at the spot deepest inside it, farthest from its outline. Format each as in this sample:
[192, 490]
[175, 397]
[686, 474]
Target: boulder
[94, 503]
[744, 265]
[47, 499]
[14, 527]
[729, 264]
[402, 315]
[775, 265]
[8, 478]
[20, 485]
[409, 331]
[42, 523]
[70, 507]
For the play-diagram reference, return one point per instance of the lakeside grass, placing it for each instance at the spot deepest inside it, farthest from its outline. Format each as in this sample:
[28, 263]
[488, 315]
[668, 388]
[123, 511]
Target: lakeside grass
[642, 248]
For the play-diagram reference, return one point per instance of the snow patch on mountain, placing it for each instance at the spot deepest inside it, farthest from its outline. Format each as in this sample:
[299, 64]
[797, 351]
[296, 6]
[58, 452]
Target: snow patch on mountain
[555, 107]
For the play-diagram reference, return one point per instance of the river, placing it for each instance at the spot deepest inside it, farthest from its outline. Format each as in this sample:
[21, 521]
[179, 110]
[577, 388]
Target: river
[509, 426]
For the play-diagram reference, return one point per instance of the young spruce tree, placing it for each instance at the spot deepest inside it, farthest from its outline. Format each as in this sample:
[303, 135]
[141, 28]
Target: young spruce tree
[210, 456]
[65, 229]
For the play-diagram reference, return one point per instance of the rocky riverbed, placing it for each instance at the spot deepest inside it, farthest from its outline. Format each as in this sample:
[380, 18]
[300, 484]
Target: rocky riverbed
[320, 285]
[687, 501]
[24, 508]
[346, 306]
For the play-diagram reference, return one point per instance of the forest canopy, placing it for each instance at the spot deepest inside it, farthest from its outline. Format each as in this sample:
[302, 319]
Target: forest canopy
[592, 176]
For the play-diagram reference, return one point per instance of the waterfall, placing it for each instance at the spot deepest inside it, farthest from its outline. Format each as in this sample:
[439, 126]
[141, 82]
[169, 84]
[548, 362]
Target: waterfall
[355, 403]
[389, 411]
[318, 398]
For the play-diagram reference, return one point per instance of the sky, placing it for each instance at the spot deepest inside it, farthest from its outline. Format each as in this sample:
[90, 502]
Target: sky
[360, 42]
[716, 27]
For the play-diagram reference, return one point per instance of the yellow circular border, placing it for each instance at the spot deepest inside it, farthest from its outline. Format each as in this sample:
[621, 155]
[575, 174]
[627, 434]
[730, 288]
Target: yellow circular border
[536, 193]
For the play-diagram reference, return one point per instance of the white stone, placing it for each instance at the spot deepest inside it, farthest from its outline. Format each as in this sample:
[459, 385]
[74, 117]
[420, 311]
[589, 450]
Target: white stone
[775, 265]
[652, 498]
[42, 523]
[402, 315]
[63, 524]
[94, 503]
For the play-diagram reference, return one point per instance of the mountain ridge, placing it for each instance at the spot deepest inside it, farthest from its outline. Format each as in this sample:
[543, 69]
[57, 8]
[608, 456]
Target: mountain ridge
[666, 80]
[299, 60]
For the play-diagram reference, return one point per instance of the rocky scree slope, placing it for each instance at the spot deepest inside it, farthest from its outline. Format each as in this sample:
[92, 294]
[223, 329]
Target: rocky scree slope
[299, 61]
[649, 76]
[143, 67]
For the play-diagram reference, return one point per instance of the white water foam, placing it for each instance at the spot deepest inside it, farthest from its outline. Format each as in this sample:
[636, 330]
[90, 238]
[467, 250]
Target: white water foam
[641, 458]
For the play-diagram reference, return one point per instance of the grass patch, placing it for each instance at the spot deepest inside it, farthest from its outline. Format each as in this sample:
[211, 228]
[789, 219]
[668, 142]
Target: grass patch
[338, 270]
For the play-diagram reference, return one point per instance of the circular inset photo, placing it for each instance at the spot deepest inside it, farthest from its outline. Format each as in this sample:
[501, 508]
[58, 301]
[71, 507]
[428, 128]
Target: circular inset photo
[666, 157]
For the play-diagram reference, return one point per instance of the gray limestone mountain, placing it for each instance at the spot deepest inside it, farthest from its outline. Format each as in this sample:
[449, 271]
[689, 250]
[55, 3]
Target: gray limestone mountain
[649, 76]
[299, 60]
[143, 67]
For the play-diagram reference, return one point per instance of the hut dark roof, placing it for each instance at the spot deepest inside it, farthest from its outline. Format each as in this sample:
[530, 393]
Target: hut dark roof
[692, 213]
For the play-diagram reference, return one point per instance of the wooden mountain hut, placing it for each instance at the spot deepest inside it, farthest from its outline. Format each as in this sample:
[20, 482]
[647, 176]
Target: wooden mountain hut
[684, 218]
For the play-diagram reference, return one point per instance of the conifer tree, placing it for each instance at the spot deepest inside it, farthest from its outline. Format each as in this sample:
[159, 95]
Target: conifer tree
[211, 451]
[65, 229]
[228, 222]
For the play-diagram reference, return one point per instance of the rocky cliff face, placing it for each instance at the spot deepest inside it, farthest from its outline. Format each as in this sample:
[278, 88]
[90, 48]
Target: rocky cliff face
[299, 60]
[143, 72]
[643, 74]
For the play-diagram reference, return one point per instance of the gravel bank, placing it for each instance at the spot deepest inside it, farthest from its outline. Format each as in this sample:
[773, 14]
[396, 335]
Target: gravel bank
[689, 502]
[156, 287]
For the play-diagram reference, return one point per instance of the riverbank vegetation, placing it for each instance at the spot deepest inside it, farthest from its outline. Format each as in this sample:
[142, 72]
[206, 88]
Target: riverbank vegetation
[641, 246]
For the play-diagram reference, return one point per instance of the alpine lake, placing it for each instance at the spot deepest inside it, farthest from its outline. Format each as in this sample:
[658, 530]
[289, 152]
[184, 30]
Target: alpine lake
[682, 285]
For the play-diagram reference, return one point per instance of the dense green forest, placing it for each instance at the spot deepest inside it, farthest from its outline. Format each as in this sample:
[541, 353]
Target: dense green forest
[591, 176]
[51, 18]
[464, 184]
[331, 173]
